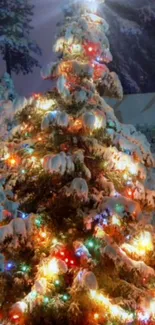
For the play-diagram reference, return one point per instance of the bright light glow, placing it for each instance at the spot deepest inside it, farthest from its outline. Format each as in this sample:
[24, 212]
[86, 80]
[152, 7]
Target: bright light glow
[92, 5]
[51, 268]
[54, 241]
[140, 245]
[43, 235]
[152, 307]
[45, 104]
[116, 311]
[33, 159]
[116, 220]
[143, 317]
[98, 122]
[96, 316]
[7, 155]
[133, 169]
[15, 317]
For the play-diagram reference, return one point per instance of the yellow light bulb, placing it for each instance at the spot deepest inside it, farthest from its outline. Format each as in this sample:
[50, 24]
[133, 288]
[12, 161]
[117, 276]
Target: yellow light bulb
[96, 316]
[140, 245]
[45, 104]
[54, 241]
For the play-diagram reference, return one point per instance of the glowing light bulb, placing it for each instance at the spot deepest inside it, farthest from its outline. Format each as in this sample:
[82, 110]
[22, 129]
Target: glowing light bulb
[54, 241]
[96, 316]
[98, 122]
[9, 265]
[140, 245]
[116, 221]
[90, 244]
[65, 297]
[51, 268]
[133, 169]
[129, 192]
[125, 176]
[33, 159]
[46, 300]
[12, 161]
[15, 317]
[93, 294]
[90, 49]
[45, 104]
[43, 235]
[57, 282]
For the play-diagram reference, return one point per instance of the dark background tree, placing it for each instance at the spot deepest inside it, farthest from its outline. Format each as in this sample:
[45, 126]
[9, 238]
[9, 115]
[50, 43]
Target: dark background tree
[131, 37]
[16, 47]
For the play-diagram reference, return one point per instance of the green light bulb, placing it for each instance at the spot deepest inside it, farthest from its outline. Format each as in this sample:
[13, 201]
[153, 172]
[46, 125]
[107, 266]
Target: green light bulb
[46, 300]
[65, 297]
[57, 282]
[38, 222]
[91, 244]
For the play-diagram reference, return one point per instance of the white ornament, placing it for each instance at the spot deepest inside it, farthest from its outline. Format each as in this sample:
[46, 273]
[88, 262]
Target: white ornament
[19, 308]
[62, 267]
[58, 164]
[56, 118]
[17, 227]
[62, 119]
[80, 186]
[89, 120]
[94, 120]
[61, 84]
[19, 103]
[89, 280]
[86, 279]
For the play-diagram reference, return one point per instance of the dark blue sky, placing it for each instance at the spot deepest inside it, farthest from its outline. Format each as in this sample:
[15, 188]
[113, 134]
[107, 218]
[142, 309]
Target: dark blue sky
[132, 40]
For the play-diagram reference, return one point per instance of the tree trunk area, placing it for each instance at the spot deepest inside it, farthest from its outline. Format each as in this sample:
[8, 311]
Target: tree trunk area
[7, 59]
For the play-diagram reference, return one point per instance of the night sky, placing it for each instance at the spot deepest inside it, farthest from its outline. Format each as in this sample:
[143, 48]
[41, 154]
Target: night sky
[131, 36]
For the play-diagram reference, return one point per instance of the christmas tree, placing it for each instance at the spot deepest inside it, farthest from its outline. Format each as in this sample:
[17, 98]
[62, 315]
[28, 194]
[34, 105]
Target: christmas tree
[77, 195]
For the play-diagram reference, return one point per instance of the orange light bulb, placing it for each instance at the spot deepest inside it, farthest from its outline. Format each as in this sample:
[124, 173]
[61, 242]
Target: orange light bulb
[96, 316]
[129, 192]
[12, 161]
